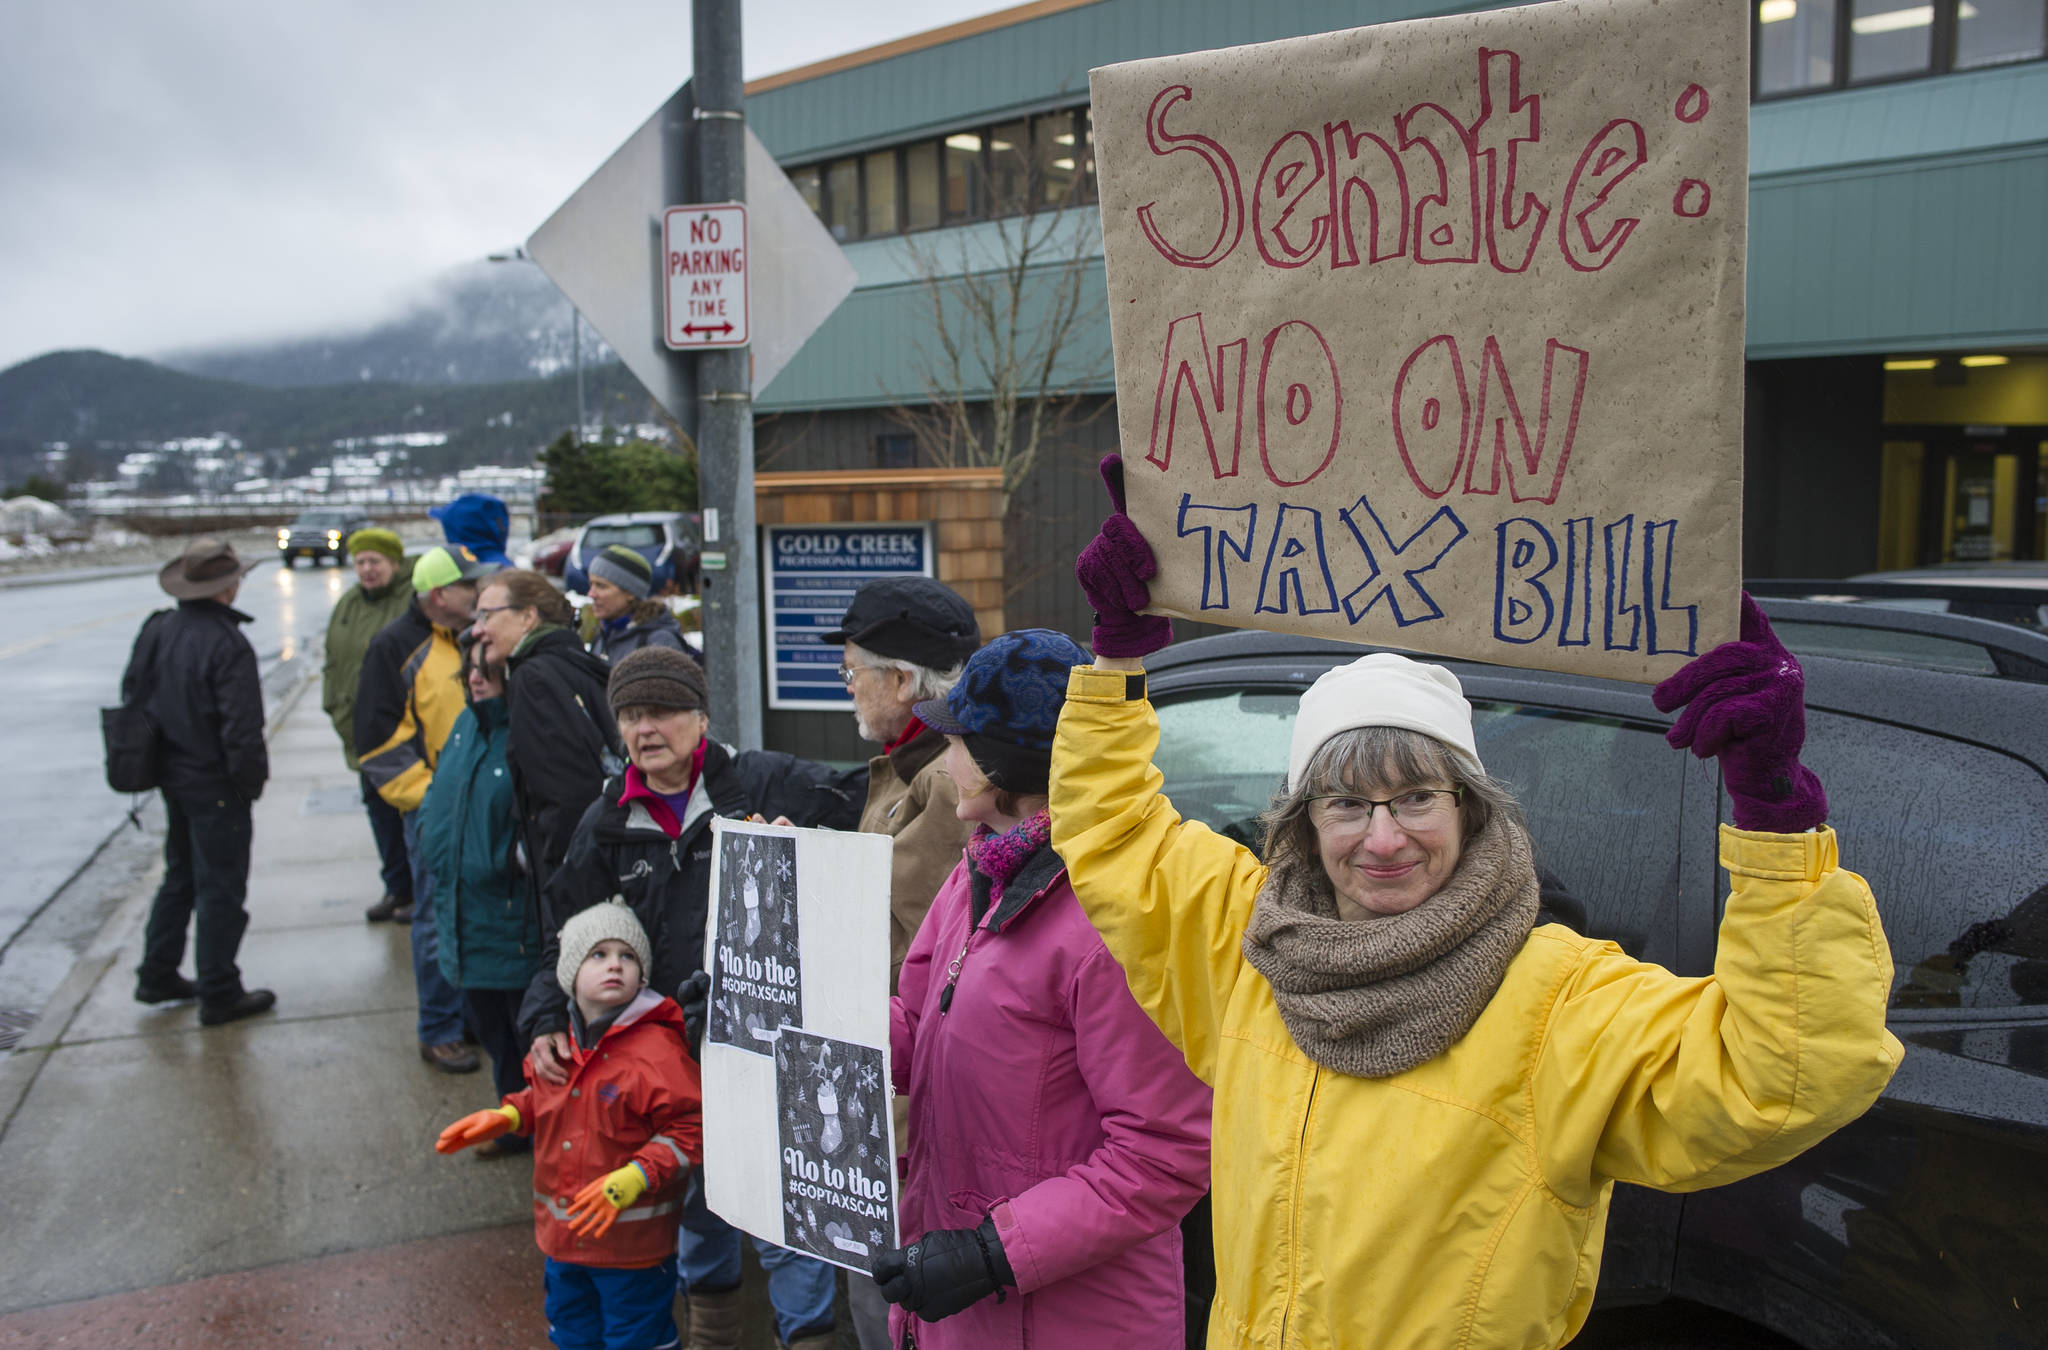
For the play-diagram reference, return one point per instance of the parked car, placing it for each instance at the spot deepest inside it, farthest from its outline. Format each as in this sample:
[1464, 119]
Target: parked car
[551, 551]
[2011, 592]
[667, 539]
[1919, 1225]
[320, 533]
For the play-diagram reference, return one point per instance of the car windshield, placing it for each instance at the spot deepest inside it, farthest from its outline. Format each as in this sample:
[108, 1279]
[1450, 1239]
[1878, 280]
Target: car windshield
[320, 520]
[632, 536]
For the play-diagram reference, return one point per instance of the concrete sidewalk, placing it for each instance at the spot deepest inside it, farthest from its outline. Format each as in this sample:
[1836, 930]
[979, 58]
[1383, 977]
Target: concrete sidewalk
[139, 1151]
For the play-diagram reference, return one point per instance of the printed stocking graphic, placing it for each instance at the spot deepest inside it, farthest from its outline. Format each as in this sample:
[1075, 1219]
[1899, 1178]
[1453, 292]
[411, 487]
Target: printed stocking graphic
[756, 962]
[838, 1175]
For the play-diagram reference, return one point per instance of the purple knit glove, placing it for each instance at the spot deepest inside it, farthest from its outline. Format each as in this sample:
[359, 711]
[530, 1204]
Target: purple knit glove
[1745, 702]
[1113, 570]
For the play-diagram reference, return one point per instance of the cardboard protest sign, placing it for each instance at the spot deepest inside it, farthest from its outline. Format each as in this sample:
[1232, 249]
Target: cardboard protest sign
[799, 1145]
[1429, 335]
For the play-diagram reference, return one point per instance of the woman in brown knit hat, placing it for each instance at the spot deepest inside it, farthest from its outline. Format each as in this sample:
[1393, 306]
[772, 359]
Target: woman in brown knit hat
[648, 837]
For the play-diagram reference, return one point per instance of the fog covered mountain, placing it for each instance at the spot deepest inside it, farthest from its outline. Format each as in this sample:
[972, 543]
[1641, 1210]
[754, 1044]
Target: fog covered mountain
[480, 323]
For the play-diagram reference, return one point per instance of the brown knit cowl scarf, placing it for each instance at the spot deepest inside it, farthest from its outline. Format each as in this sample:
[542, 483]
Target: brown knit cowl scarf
[1376, 997]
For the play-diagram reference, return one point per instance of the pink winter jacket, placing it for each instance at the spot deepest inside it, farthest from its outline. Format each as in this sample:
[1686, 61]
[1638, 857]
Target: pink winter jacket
[1046, 1096]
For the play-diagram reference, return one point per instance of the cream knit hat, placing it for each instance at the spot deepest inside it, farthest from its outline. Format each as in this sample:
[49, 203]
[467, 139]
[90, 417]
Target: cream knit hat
[609, 919]
[1382, 690]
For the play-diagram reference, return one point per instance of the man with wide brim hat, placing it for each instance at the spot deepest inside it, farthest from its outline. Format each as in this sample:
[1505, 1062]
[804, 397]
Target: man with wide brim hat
[196, 674]
[205, 569]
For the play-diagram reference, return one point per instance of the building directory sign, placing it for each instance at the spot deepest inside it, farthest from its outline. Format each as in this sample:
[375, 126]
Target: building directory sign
[810, 574]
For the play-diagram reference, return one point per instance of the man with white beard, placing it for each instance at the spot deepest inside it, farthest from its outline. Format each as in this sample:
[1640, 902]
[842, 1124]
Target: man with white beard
[905, 639]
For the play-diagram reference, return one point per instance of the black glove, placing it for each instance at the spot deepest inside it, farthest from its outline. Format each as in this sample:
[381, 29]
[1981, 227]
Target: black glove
[693, 997]
[945, 1271]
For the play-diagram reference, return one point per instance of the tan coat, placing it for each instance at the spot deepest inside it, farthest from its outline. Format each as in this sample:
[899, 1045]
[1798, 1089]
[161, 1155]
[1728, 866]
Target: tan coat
[911, 799]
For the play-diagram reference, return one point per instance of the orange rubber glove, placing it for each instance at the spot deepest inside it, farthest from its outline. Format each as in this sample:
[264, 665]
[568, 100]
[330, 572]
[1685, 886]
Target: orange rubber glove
[476, 1127]
[595, 1207]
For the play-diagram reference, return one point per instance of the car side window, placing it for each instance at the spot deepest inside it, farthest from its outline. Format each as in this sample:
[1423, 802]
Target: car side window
[1601, 795]
[1602, 800]
[1950, 838]
[1224, 754]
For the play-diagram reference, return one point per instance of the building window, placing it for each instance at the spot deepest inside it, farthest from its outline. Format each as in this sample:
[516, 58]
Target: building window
[1009, 168]
[921, 185]
[878, 191]
[1888, 38]
[1795, 45]
[1046, 162]
[842, 199]
[895, 451]
[963, 181]
[810, 183]
[1804, 45]
[1993, 32]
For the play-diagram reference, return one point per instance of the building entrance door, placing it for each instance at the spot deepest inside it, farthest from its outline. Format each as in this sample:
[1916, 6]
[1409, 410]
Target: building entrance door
[1964, 495]
[1989, 488]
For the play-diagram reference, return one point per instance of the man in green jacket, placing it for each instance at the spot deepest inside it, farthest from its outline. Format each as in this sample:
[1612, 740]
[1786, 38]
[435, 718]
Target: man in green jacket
[382, 591]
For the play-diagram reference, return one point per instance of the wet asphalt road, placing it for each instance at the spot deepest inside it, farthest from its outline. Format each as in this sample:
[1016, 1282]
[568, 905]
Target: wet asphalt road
[63, 647]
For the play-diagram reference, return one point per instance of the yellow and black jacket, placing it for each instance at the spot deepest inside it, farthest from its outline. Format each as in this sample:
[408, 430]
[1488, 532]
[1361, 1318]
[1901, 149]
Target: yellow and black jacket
[406, 704]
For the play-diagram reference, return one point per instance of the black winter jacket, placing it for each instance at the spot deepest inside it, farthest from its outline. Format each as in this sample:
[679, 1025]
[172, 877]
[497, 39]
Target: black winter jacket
[620, 850]
[207, 699]
[650, 623]
[561, 727]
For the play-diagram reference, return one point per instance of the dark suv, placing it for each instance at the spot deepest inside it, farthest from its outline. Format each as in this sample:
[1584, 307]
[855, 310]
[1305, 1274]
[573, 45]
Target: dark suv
[320, 533]
[1925, 1223]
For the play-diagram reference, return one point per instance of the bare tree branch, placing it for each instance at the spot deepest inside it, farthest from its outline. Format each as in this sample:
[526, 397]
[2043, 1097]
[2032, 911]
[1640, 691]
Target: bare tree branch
[1013, 339]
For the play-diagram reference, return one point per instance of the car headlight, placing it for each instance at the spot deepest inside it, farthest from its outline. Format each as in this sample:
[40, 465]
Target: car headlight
[333, 537]
[284, 536]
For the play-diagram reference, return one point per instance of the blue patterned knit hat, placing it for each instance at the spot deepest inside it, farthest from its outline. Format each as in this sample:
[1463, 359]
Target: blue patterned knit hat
[1007, 704]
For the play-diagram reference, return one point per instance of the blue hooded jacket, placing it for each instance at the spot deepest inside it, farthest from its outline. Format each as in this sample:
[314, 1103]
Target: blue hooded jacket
[479, 521]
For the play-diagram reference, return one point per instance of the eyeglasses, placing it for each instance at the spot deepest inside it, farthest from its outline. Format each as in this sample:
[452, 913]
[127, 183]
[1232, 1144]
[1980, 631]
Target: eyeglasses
[485, 611]
[846, 673]
[1415, 809]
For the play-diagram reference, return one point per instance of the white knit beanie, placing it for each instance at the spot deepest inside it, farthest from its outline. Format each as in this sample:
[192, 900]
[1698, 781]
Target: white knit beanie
[609, 919]
[1382, 690]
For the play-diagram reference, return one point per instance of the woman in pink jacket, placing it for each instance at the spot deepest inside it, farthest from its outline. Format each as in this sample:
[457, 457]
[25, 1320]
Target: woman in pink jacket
[1056, 1137]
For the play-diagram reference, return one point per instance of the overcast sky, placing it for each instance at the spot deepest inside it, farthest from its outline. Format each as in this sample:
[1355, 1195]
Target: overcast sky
[202, 171]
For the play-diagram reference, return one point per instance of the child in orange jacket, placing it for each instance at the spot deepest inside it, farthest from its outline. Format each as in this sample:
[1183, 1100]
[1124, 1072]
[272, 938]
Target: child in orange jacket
[612, 1146]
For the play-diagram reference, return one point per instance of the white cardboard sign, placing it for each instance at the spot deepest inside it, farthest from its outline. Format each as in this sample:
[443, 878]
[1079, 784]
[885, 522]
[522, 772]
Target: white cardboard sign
[1430, 334]
[799, 1143]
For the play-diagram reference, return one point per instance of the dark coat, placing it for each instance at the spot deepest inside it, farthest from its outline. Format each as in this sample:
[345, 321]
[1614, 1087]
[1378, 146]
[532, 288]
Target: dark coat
[650, 623]
[467, 827]
[561, 727]
[206, 699]
[620, 850]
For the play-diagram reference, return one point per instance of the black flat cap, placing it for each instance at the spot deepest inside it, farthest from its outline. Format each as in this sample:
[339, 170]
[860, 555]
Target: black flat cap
[914, 619]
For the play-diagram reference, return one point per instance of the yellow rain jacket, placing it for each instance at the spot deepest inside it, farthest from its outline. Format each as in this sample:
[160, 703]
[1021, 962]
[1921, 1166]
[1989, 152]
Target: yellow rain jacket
[1463, 1203]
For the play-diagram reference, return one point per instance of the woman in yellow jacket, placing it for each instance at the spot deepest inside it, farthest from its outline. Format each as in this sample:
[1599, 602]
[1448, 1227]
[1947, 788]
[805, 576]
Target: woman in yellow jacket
[1423, 1101]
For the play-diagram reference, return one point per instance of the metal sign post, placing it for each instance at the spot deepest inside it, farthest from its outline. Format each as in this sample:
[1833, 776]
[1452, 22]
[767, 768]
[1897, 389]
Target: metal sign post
[604, 248]
[725, 402]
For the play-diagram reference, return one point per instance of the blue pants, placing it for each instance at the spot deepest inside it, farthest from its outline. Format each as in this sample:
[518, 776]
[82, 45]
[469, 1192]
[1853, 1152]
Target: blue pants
[206, 873]
[387, 827]
[604, 1308]
[800, 1288]
[440, 1001]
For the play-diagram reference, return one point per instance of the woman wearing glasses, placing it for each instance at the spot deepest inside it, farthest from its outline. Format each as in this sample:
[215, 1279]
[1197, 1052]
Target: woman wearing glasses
[1422, 1098]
